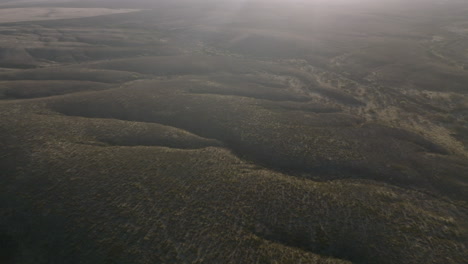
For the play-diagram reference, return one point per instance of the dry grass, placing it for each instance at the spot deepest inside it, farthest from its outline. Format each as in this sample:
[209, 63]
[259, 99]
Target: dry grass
[144, 138]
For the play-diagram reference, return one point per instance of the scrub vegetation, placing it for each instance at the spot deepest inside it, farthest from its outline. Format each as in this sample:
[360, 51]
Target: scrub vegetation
[234, 132]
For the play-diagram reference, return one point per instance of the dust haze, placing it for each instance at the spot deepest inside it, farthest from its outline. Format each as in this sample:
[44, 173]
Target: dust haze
[236, 131]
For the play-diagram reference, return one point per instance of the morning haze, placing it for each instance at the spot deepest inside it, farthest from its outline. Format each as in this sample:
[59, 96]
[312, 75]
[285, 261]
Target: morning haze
[237, 131]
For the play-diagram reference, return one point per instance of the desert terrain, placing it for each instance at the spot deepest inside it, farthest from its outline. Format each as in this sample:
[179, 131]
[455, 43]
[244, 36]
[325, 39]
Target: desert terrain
[234, 131]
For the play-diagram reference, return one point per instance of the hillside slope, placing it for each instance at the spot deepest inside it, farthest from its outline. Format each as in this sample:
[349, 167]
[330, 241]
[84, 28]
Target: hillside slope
[231, 136]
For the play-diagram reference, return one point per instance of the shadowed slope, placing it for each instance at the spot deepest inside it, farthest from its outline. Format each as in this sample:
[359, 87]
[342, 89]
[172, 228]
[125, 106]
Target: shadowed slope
[143, 204]
[249, 132]
[313, 144]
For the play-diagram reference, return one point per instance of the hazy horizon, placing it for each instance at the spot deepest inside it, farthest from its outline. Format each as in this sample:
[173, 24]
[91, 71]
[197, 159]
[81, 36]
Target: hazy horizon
[234, 131]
